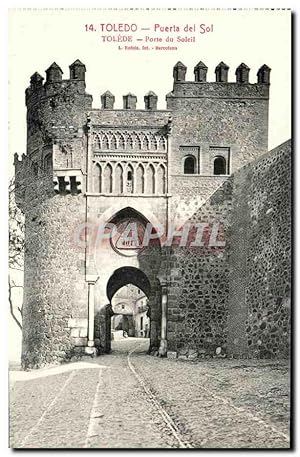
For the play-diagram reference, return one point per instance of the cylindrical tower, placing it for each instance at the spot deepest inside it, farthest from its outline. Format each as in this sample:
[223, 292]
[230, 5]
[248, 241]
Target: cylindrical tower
[49, 184]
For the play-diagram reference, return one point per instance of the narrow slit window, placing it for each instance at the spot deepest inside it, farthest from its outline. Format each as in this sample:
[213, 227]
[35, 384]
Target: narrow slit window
[35, 169]
[130, 181]
[48, 163]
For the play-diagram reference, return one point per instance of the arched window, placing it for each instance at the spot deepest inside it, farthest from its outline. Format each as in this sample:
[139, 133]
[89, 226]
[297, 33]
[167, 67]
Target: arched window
[189, 165]
[119, 179]
[220, 166]
[150, 179]
[129, 186]
[160, 177]
[97, 178]
[140, 179]
[107, 179]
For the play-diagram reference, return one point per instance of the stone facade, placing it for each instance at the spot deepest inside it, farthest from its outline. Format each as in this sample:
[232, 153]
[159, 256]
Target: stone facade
[235, 300]
[141, 319]
[88, 167]
[262, 262]
[129, 305]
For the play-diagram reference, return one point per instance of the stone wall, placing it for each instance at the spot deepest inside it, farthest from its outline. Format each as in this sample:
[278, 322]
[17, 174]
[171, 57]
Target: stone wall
[55, 292]
[55, 110]
[226, 300]
[227, 115]
[122, 118]
[262, 262]
[235, 300]
[199, 286]
[190, 192]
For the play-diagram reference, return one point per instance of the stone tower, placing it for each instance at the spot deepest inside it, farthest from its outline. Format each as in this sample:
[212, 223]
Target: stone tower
[86, 167]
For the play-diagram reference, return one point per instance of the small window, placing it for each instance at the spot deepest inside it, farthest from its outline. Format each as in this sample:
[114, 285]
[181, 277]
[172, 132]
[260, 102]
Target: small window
[48, 163]
[189, 165]
[35, 169]
[123, 306]
[129, 185]
[220, 166]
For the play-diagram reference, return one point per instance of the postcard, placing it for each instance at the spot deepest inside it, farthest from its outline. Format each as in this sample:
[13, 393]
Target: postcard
[150, 228]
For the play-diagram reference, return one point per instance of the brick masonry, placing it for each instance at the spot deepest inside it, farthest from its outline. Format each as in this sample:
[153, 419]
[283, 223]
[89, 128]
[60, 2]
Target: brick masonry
[236, 300]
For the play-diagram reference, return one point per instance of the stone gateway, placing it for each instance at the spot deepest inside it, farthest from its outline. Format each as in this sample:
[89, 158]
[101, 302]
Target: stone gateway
[202, 160]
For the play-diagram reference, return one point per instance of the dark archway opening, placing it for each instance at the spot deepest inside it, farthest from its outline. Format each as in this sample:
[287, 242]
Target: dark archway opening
[143, 275]
[189, 165]
[128, 291]
[127, 275]
[220, 166]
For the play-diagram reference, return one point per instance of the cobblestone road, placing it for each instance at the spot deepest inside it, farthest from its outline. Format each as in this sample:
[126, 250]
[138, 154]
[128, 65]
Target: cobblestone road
[132, 400]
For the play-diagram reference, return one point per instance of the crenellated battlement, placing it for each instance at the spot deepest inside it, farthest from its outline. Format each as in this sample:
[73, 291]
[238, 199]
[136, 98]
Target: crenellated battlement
[223, 116]
[55, 83]
[221, 71]
[65, 89]
[221, 88]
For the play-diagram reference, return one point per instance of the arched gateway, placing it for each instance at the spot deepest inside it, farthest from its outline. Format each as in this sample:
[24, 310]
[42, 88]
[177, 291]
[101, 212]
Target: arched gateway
[122, 259]
[125, 166]
[122, 277]
[127, 275]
